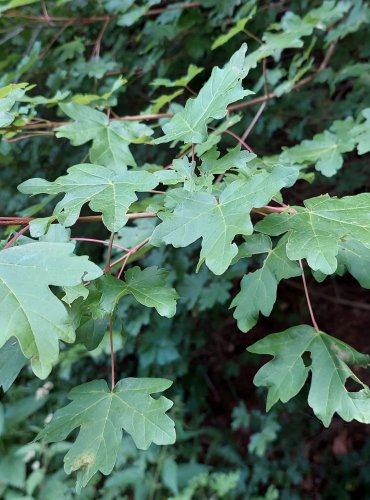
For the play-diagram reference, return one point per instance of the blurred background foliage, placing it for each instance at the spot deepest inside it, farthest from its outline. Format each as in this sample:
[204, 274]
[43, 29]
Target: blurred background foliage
[128, 56]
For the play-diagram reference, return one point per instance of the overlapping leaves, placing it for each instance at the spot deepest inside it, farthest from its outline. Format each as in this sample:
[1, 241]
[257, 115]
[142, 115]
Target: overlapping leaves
[258, 289]
[316, 230]
[285, 375]
[111, 138]
[218, 221]
[148, 286]
[106, 192]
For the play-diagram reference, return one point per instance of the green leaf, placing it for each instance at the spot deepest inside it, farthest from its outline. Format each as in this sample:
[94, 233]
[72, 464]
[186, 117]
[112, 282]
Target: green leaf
[316, 230]
[148, 286]
[9, 95]
[11, 362]
[217, 222]
[13, 4]
[111, 139]
[106, 192]
[72, 293]
[28, 308]
[234, 158]
[159, 102]
[193, 71]
[87, 124]
[356, 259]
[101, 415]
[181, 171]
[111, 145]
[223, 88]
[235, 30]
[285, 375]
[361, 133]
[258, 289]
[324, 150]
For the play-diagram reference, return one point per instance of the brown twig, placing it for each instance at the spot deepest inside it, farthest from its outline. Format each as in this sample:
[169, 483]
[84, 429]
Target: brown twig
[20, 221]
[308, 300]
[263, 105]
[97, 45]
[15, 237]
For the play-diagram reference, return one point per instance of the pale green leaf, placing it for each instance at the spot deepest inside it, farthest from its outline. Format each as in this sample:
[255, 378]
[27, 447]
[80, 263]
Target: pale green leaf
[200, 215]
[106, 192]
[286, 373]
[316, 230]
[28, 308]
[102, 414]
[72, 293]
[11, 363]
[235, 30]
[159, 102]
[192, 72]
[9, 95]
[258, 289]
[111, 139]
[361, 133]
[324, 151]
[355, 257]
[223, 88]
[181, 171]
[234, 158]
[148, 286]
[13, 4]
[87, 123]
[111, 144]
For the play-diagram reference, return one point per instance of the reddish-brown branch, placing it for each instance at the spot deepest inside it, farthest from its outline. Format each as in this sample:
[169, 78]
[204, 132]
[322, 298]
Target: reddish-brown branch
[125, 257]
[54, 39]
[239, 139]
[297, 86]
[113, 380]
[97, 45]
[109, 253]
[315, 325]
[13, 221]
[93, 19]
[102, 242]
[263, 105]
[15, 237]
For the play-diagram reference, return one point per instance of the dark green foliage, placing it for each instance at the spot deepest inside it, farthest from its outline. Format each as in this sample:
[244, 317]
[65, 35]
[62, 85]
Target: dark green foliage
[218, 150]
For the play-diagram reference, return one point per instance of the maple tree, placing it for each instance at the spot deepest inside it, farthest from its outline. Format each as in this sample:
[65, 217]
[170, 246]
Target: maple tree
[226, 204]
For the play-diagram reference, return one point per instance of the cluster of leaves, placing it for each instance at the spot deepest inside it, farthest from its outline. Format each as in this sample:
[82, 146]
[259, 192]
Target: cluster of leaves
[220, 202]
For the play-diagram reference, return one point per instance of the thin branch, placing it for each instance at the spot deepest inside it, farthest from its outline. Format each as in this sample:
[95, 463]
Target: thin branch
[155, 116]
[109, 253]
[102, 242]
[123, 265]
[239, 139]
[131, 252]
[308, 299]
[113, 380]
[190, 5]
[14, 221]
[93, 19]
[97, 45]
[15, 237]
[297, 86]
[46, 14]
[263, 105]
[54, 39]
